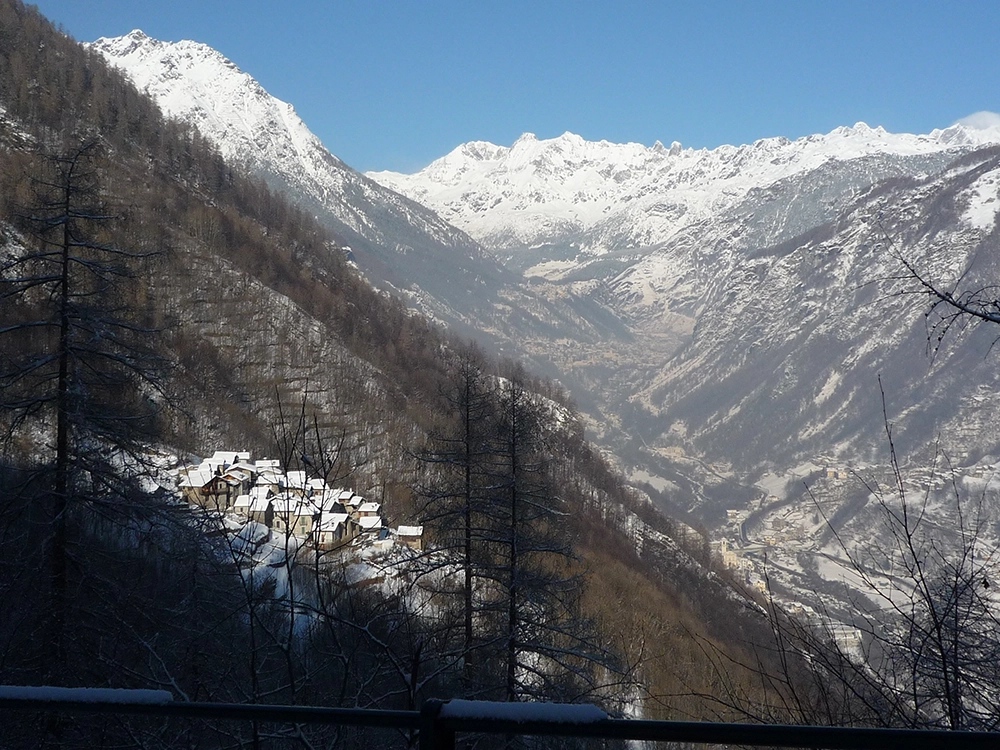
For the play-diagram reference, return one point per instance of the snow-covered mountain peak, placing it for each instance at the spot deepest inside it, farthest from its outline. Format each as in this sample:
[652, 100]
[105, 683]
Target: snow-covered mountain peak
[603, 196]
[859, 129]
[570, 139]
[393, 239]
[961, 134]
[125, 45]
[140, 55]
[193, 82]
[675, 148]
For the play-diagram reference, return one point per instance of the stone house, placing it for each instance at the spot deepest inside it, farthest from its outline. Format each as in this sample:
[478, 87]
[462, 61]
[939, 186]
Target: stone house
[411, 536]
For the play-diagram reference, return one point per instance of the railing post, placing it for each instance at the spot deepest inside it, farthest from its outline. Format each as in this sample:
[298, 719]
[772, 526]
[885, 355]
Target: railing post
[433, 736]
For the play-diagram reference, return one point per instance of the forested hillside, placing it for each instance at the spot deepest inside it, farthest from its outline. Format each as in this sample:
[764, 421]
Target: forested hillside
[154, 300]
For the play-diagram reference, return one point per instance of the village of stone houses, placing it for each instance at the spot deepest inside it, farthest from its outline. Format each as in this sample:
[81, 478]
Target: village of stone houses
[257, 500]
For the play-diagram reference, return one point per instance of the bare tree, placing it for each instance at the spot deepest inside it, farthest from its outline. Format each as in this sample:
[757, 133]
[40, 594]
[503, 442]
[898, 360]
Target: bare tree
[455, 495]
[76, 364]
[550, 649]
[929, 651]
[950, 305]
[498, 524]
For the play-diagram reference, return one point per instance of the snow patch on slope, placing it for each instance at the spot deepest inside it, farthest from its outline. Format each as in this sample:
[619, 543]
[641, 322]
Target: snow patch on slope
[984, 201]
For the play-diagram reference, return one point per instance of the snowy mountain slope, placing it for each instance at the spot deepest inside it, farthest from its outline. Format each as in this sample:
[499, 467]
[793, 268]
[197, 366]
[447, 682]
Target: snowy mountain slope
[757, 302]
[393, 238]
[603, 196]
[790, 340]
[401, 245]
[760, 332]
[763, 358]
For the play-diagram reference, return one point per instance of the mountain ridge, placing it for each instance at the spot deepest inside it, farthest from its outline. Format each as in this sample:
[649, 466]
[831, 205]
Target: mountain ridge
[537, 191]
[748, 275]
[401, 246]
[391, 237]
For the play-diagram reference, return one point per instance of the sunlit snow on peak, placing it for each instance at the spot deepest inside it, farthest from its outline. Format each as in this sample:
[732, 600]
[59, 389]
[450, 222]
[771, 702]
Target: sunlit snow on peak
[981, 120]
[607, 196]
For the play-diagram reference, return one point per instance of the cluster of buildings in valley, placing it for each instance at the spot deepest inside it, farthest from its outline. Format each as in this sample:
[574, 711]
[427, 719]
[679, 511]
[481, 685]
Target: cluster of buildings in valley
[290, 502]
[733, 559]
[774, 522]
[848, 638]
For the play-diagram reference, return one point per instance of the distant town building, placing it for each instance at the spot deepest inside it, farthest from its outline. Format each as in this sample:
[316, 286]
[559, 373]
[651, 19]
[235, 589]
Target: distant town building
[411, 536]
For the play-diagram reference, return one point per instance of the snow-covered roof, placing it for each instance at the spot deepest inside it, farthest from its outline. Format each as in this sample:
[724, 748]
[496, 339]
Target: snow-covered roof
[370, 507]
[370, 522]
[243, 501]
[235, 477]
[269, 476]
[327, 502]
[260, 492]
[259, 504]
[410, 531]
[289, 504]
[197, 477]
[332, 521]
[283, 504]
[296, 479]
[229, 457]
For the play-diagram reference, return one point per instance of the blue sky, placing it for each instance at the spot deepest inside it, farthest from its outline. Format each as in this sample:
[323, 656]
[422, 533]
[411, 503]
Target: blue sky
[394, 85]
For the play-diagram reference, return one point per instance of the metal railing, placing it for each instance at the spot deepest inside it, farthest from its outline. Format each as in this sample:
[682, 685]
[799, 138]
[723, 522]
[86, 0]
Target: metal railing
[437, 730]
